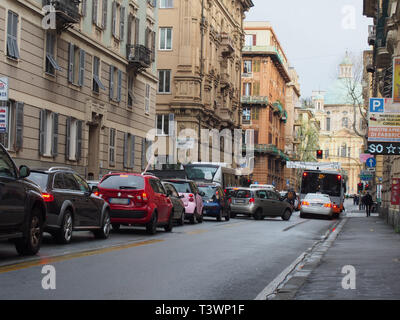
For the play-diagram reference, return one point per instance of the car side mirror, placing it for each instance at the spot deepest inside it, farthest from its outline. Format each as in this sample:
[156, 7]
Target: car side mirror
[24, 172]
[169, 193]
[95, 189]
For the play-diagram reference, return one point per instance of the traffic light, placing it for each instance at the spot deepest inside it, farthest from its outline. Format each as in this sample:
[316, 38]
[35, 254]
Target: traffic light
[319, 154]
[367, 186]
[360, 187]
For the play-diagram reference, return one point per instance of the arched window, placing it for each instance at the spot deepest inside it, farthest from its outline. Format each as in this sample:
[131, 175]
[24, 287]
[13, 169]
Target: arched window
[328, 124]
[343, 150]
[345, 122]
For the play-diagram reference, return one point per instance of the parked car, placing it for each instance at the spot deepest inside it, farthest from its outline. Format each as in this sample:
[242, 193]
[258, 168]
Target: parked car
[215, 202]
[22, 208]
[260, 203]
[71, 205]
[192, 199]
[178, 209]
[317, 204]
[137, 200]
[229, 192]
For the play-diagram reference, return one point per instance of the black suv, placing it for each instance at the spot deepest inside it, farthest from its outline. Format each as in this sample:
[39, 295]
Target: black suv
[71, 204]
[22, 209]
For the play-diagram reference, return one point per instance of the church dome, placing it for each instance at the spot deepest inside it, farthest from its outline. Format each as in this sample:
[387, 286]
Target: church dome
[338, 93]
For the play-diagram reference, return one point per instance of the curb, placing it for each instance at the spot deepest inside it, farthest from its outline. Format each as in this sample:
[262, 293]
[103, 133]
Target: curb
[296, 278]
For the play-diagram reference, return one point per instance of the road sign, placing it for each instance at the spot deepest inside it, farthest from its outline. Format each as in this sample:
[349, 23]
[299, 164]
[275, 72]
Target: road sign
[371, 169]
[4, 89]
[371, 163]
[376, 105]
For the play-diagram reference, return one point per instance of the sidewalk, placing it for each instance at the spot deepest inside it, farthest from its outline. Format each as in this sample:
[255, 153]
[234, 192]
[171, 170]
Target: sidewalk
[373, 248]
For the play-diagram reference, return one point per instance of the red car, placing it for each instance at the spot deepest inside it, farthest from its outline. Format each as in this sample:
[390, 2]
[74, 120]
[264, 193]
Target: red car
[136, 200]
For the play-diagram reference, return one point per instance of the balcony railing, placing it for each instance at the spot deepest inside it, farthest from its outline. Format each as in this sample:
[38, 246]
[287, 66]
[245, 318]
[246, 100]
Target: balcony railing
[67, 11]
[254, 100]
[139, 57]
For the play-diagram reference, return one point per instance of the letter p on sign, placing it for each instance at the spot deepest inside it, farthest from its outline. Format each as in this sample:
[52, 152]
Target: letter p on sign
[376, 105]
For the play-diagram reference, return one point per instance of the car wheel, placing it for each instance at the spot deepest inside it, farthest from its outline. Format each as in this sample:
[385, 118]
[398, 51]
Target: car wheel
[170, 225]
[31, 241]
[228, 215]
[286, 215]
[151, 227]
[232, 214]
[193, 218]
[181, 221]
[64, 235]
[258, 214]
[104, 232]
[302, 215]
[200, 219]
[116, 226]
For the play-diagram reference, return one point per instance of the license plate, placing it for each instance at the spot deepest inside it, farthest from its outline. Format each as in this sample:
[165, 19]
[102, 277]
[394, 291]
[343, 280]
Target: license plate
[119, 201]
[239, 201]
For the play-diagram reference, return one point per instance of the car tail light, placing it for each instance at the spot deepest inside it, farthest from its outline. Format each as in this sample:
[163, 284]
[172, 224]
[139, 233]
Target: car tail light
[251, 200]
[328, 205]
[305, 203]
[47, 197]
[230, 200]
[191, 197]
[96, 193]
[143, 197]
[335, 206]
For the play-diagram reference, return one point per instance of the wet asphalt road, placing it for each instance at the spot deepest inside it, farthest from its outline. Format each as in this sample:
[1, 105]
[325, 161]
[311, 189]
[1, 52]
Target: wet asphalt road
[209, 261]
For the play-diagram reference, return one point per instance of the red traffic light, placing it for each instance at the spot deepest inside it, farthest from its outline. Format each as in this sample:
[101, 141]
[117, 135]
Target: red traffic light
[319, 154]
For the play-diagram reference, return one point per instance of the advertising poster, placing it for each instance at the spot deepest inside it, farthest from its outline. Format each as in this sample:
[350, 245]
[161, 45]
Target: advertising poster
[395, 197]
[396, 80]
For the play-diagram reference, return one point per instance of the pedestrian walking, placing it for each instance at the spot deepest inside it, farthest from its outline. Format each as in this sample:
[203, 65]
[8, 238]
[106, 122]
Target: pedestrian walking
[368, 203]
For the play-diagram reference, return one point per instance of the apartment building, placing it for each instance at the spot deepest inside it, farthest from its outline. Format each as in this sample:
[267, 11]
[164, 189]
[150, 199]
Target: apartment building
[265, 77]
[82, 82]
[199, 66]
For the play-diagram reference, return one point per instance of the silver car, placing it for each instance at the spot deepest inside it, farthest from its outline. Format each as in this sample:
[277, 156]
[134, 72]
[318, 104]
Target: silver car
[316, 204]
[259, 203]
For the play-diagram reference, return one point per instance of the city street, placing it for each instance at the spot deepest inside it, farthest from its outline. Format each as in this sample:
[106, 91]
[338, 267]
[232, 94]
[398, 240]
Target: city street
[213, 260]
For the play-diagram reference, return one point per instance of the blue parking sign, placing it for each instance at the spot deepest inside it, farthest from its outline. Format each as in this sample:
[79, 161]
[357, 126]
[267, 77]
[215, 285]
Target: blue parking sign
[376, 105]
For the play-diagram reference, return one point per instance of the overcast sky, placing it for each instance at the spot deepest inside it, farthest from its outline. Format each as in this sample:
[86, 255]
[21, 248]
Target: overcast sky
[315, 35]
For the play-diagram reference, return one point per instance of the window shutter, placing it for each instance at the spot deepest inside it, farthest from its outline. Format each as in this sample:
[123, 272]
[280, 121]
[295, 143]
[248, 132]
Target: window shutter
[114, 18]
[129, 34]
[81, 67]
[94, 11]
[79, 134]
[171, 124]
[19, 125]
[122, 24]
[126, 138]
[54, 144]
[104, 17]
[42, 131]
[146, 38]
[71, 63]
[68, 138]
[254, 39]
[84, 8]
[137, 28]
[132, 160]
[111, 82]
[119, 93]
[143, 153]
[112, 148]
[153, 46]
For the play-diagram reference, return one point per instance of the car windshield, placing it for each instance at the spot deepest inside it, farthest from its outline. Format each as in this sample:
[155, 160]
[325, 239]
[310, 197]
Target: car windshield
[181, 186]
[242, 194]
[39, 178]
[209, 191]
[200, 173]
[122, 181]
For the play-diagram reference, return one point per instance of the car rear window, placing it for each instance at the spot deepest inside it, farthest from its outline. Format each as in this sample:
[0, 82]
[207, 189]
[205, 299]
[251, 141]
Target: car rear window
[122, 181]
[39, 178]
[182, 186]
[242, 194]
[209, 191]
[317, 197]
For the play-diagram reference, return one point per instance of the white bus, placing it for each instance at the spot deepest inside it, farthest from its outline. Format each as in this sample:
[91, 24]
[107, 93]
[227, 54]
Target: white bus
[212, 172]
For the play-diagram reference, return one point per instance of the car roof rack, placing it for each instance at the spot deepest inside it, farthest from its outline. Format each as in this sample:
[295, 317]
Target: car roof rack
[60, 168]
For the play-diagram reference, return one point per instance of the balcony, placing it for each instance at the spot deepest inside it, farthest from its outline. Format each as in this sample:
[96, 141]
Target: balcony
[67, 12]
[254, 100]
[139, 57]
[227, 45]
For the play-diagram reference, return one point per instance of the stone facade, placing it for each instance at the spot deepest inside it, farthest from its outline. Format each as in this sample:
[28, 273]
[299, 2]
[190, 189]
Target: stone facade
[76, 96]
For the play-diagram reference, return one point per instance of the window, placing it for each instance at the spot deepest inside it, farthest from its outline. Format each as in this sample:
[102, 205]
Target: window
[131, 97]
[129, 150]
[164, 84]
[97, 84]
[257, 66]
[112, 147]
[247, 66]
[48, 133]
[247, 89]
[165, 124]
[256, 88]
[73, 144]
[250, 40]
[147, 100]
[328, 124]
[115, 90]
[164, 4]
[269, 138]
[165, 38]
[51, 64]
[58, 182]
[246, 114]
[99, 13]
[345, 122]
[343, 151]
[118, 21]
[133, 30]
[255, 113]
[70, 183]
[12, 35]
[13, 116]
[76, 65]
[326, 153]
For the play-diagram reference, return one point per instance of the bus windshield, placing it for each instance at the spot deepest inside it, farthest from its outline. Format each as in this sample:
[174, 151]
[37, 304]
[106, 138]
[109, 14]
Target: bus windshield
[194, 172]
[327, 183]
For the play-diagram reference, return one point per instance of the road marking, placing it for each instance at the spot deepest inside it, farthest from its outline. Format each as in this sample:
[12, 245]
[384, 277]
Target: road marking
[295, 225]
[50, 260]
[197, 231]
